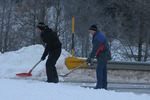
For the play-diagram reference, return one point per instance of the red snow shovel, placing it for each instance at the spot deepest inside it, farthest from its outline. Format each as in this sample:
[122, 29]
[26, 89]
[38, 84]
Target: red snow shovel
[29, 73]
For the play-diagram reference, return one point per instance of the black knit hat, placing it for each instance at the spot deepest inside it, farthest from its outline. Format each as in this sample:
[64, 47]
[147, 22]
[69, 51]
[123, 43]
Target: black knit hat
[41, 25]
[93, 27]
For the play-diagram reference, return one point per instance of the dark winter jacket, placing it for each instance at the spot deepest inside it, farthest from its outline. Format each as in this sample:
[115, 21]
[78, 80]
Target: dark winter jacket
[100, 48]
[51, 41]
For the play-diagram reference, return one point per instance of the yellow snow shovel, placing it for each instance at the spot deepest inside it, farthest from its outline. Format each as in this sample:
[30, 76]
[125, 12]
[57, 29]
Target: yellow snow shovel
[73, 62]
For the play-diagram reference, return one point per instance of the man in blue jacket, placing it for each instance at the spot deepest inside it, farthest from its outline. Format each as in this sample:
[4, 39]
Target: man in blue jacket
[101, 51]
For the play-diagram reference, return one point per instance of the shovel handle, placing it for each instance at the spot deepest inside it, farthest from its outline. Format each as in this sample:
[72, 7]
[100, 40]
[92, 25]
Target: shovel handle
[36, 64]
[73, 70]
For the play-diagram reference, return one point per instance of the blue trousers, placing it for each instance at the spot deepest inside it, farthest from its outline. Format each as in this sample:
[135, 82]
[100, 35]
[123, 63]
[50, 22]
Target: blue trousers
[101, 73]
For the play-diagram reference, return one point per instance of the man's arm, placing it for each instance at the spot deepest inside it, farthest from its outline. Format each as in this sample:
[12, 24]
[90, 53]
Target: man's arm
[96, 45]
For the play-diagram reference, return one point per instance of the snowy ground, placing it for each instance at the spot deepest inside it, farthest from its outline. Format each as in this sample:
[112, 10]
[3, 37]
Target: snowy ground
[14, 88]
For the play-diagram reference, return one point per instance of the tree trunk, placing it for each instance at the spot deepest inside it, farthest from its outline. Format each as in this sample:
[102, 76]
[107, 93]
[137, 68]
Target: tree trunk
[146, 49]
[58, 10]
[2, 27]
[6, 41]
[141, 32]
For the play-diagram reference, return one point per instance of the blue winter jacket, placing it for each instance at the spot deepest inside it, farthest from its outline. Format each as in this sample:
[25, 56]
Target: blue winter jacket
[100, 48]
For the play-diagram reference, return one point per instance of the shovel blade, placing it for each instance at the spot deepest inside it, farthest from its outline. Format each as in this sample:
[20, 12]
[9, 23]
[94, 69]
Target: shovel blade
[73, 62]
[25, 74]
[62, 75]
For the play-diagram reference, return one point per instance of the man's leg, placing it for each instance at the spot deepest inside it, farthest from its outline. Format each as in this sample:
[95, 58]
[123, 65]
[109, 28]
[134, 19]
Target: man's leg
[99, 74]
[105, 76]
[49, 69]
[52, 72]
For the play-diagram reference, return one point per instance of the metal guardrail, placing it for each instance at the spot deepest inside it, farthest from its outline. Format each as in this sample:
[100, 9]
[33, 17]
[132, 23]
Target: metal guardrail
[119, 65]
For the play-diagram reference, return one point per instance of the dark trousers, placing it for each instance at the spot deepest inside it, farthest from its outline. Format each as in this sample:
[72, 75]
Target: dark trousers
[50, 66]
[101, 73]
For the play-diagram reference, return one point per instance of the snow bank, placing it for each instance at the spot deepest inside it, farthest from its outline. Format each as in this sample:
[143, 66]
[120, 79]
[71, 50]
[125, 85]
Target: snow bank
[22, 61]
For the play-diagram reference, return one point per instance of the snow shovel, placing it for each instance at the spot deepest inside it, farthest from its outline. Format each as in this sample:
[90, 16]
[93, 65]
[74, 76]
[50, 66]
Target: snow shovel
[73, 62]
[73, 70]
[29, 73]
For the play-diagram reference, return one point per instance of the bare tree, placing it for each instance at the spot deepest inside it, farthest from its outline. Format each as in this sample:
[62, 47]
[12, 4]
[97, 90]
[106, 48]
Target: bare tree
[2, 25]
[140, 43]
[8, 28]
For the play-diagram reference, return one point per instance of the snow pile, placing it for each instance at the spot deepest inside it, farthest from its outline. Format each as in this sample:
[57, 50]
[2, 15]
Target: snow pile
[23, 60]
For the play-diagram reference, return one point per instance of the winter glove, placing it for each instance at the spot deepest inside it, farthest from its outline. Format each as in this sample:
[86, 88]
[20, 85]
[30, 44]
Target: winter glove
[44, 55]
[88, 60]
[43, 58]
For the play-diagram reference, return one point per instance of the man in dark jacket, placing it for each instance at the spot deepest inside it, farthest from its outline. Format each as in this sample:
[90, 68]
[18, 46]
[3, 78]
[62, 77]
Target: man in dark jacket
[52, 49]
[101, 51]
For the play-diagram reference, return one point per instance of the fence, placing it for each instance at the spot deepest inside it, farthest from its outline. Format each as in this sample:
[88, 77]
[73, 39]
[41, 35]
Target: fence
[118, 65]
[118, 72]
